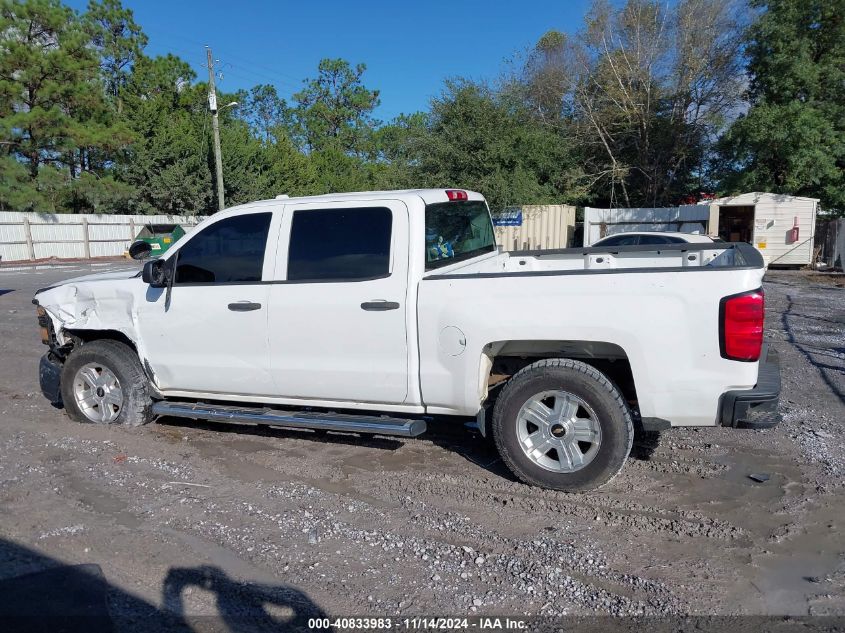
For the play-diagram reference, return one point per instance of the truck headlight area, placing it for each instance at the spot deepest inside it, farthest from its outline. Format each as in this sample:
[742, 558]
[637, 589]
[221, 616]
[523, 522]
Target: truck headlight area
[44, 323]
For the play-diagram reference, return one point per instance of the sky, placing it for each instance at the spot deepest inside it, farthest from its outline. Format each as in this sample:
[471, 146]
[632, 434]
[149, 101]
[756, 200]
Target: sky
[409, 47]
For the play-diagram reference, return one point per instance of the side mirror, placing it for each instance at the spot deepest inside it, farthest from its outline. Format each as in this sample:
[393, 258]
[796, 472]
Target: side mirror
[154, 273]
[140, 250]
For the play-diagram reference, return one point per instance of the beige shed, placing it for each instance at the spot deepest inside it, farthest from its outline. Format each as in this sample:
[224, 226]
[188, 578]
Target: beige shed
[782, 227]
[535, 227]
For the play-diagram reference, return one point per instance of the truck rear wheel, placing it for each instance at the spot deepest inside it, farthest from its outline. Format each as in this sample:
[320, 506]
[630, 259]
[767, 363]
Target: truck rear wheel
[103, 383]
[561, 424]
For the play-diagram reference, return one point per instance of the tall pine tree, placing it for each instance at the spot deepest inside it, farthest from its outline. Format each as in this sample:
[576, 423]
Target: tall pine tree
[53, 118]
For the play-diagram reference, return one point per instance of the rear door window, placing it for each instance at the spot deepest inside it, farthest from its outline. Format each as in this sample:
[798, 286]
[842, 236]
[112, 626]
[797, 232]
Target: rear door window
[340, 244]
[231, 250]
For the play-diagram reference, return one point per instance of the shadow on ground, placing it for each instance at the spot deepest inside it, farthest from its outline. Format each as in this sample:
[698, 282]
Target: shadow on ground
[809, 352]
[39, 593]
[451, 435]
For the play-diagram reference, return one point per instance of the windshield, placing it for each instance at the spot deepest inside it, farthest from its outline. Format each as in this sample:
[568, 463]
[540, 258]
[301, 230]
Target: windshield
[455, 231]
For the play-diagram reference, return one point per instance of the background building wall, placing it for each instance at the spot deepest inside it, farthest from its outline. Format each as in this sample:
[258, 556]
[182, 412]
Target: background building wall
[599, 223]
[543, 227]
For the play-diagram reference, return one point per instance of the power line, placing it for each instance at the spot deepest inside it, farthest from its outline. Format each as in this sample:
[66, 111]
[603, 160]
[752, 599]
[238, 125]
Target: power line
[237, 70]
[277, 74]
[241, 71]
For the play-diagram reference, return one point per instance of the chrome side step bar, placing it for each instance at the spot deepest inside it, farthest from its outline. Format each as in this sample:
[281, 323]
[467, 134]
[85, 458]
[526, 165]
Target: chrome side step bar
[326, 421]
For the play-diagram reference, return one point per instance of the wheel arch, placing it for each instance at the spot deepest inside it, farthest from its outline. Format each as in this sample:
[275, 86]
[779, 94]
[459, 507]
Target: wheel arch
[500, 360]
[89, 335]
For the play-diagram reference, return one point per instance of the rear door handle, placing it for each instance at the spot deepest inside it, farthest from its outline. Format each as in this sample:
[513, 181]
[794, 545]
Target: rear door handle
[244, 306]
[379, 306]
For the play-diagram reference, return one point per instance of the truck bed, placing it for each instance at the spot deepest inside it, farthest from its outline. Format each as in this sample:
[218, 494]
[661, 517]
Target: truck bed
[655, 307]
[677, 257]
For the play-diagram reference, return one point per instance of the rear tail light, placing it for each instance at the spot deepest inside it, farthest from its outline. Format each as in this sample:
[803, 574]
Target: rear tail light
[456, 194]
[741, 326]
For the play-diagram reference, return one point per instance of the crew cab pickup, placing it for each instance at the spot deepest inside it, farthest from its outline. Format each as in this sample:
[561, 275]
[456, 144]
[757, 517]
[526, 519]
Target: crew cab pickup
[375, 312]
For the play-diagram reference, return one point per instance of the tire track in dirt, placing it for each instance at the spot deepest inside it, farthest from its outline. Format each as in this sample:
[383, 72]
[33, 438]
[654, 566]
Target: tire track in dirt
[517, 499]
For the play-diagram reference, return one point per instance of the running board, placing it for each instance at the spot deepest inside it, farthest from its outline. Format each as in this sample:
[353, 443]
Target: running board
[329, 421]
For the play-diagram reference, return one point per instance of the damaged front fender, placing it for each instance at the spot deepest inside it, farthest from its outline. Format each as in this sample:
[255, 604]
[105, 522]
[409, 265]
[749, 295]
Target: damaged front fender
[105, 302]
[89, 306]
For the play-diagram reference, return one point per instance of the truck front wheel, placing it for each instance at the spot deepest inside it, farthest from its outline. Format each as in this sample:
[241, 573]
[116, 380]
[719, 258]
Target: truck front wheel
[103, 383]
[561, 424]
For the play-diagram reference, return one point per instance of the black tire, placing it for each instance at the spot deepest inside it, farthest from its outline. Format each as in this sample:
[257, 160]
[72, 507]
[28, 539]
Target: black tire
[591, 386]
[122, 361]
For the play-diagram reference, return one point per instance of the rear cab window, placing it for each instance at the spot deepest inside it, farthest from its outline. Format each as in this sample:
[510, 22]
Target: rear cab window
[455, 231]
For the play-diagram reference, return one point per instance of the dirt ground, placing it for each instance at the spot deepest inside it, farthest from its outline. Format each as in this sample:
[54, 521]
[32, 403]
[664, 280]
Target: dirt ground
[187, 518]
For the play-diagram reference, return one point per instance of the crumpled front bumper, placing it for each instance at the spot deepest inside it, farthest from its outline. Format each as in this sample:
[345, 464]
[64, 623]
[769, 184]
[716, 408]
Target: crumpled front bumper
[50, 378]
[755, 408]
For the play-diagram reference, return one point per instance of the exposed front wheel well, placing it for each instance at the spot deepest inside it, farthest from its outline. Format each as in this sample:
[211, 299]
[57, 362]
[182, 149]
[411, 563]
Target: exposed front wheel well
[82, 337]
[87, 336]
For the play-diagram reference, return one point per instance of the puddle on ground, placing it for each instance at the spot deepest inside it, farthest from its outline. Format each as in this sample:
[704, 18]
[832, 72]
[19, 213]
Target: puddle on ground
[102, 502]
[788, 583]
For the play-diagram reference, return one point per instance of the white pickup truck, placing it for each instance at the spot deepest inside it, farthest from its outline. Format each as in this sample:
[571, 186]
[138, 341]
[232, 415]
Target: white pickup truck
[375, 312]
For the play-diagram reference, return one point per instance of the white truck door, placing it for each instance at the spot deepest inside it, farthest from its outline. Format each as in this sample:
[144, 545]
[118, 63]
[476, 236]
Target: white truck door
[338, 305]
[212, 337]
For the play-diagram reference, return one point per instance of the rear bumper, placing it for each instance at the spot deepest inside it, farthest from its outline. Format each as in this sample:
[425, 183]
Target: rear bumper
[50, 379]
[755, 408]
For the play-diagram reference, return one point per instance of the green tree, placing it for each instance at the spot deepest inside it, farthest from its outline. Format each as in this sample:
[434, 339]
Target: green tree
[792, 139]
[334, 110]
[17, 190]
[119, 42]
[397, 150]
[644, 87]
[265, 112]
[288, 170]
[245, 168]
[53, 119]
[479, 140]
[169, 161]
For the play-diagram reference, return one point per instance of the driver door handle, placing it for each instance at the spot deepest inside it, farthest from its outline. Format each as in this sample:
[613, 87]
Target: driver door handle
[244, 306]
[379, 306]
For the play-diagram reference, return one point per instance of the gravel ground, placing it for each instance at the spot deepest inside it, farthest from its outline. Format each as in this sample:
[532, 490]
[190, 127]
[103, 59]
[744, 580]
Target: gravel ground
[188, 518]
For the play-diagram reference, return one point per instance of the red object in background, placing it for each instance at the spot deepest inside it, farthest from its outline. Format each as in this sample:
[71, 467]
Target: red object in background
[741, 326]
[793, 232]
[695, 199]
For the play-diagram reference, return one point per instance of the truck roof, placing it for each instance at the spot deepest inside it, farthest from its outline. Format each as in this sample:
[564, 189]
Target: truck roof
[429, 196]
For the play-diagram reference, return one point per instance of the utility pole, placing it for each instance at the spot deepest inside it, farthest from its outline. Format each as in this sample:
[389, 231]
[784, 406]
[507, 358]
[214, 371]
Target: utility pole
[215, 126]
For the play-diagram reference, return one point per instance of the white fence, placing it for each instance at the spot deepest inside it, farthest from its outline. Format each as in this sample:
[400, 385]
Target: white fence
[599, 223]
[31, 236]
